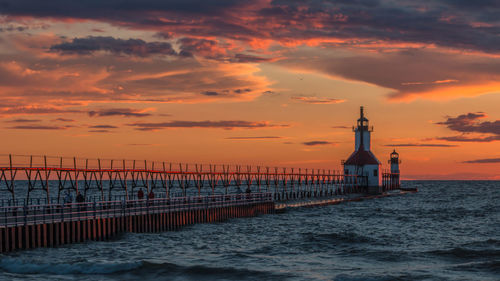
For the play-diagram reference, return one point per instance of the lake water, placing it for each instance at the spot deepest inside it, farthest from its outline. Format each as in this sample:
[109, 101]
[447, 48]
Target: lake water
[449, 230]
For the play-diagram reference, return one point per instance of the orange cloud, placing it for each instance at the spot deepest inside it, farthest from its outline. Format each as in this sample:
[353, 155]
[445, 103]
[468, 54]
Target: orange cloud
[449, 92]
[223, 124]
[34, 83]
[408, 75]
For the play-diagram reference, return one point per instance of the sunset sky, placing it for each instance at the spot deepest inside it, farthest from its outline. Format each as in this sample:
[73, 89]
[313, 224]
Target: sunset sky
[274, 83]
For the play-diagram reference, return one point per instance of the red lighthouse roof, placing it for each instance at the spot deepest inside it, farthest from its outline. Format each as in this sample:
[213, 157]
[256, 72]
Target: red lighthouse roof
[362, 157]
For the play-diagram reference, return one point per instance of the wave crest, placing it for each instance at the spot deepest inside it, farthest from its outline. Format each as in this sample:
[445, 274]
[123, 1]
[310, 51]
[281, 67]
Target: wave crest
[13, 265]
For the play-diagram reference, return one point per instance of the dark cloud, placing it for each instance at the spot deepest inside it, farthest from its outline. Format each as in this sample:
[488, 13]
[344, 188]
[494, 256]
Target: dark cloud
[190, 46]
[214, 50]
[103, 127]
[28, 110]
[228, 125]
[226, 92]
[23, 120]
[136, 47]
[341, 127]
[436, 22]
[210, 93]
[317, 100]
[243, 58]
[125, 112]
[469, 123]
[464, 138]
[483, 161]
[254, 138]
[242, 91]
[316, 143]
[457, 24]
[420, 145]
[38, 127]
[11, 28]
[111, 9]
[471, 127]
[99, 131]
[64, 120]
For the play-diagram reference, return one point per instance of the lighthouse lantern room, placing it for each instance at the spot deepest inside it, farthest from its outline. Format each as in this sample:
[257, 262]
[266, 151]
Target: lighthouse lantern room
[362, 161]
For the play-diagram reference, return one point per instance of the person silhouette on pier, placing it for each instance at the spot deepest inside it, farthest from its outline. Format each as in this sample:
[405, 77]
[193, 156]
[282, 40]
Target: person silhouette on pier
[80, 198]
[67, 197]
[248, 192]
[140, 194]
[151, 195]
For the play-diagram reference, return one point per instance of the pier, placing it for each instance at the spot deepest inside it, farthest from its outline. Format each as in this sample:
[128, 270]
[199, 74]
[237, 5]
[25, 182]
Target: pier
[34, 212]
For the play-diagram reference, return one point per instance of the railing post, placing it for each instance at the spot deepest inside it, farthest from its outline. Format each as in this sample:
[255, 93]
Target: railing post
[25, 215]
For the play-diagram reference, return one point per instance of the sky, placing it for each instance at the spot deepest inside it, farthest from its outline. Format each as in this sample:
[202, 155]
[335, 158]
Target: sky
[271, 83]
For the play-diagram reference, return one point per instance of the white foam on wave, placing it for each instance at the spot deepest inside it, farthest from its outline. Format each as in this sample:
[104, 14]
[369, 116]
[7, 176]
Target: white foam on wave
[19, 266]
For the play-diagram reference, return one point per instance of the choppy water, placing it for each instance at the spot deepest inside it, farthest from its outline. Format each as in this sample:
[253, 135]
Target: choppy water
[449, 230]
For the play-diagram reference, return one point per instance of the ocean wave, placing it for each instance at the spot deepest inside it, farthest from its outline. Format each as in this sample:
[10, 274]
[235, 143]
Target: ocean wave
[491, 266]
[345, 277]
[484, 243]
[18, 266]
[197, 272]
[465, 253]
[13, 265]
[340, 237]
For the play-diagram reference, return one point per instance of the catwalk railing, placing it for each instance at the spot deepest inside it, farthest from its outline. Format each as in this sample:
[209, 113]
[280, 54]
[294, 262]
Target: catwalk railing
[35, 180]
[55, 213]
[390, 181]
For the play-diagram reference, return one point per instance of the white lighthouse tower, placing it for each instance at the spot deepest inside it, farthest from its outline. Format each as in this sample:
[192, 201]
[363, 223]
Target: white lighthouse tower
[362, 132]
[362, 162]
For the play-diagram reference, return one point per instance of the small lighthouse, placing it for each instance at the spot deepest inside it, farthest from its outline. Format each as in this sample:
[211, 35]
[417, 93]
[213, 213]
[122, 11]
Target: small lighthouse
[362, 162]
[394, 161]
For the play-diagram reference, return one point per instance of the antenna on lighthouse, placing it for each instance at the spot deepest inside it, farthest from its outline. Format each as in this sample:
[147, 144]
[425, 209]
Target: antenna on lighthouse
[361, 117]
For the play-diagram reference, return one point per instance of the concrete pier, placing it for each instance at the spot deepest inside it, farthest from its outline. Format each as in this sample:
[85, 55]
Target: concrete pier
[280, 207]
